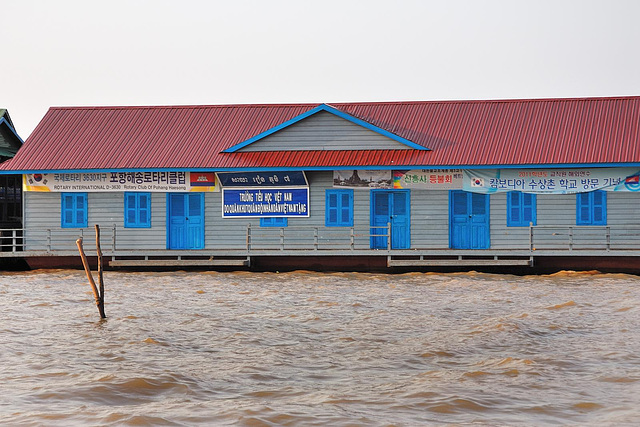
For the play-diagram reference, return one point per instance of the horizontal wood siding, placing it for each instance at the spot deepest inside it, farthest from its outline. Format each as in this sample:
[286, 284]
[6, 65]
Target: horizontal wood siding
[42, 213]
[429, 219]
[300, 233]
[429, 223]
[324, 131]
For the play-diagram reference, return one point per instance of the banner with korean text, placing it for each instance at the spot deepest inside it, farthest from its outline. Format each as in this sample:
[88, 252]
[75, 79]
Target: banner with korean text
[121, 181]
[551, 181]
[428, 179]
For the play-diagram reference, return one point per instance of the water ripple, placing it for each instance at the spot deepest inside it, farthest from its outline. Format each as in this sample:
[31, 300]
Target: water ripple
[313, 349]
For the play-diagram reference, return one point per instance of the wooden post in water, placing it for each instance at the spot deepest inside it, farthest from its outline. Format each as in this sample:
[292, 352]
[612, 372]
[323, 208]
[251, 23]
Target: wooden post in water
[97, 293]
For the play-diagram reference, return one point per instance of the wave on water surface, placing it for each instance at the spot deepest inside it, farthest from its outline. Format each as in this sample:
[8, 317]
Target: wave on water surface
[306, 348]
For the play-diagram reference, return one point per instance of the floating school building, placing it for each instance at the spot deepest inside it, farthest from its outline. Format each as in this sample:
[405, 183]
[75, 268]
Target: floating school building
[548, 183]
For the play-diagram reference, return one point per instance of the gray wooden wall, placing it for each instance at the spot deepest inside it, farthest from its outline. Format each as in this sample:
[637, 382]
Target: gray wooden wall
[325, 131]
[429, 222]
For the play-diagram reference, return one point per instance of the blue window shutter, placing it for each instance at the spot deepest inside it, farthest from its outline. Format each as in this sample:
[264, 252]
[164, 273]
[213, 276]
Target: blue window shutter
[513, 209]
[521, 209]
[582, 209]
[73, 210]
[529, 214]
[591, 208]
[137, 210]
[274, 222]
[599, 214]
[339, 208]
[81, 210]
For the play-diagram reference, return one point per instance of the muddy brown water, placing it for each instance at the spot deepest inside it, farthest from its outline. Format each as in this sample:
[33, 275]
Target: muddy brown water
[318, 349]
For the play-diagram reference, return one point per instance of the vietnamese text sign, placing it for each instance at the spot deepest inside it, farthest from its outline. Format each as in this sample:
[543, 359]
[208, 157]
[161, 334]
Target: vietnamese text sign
[265, 202]
[428, 179]
[121, 181]
[552, 181]
[262, 179]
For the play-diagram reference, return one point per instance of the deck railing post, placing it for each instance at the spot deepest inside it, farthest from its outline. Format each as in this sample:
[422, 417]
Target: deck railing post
[315, 238]
[14, 240]
[388, 236]
[570, 238]
[48, 240]
[353, 243]
[282, 238]
[531, 236]
[113, 239]
[249, 237]
[608, 238]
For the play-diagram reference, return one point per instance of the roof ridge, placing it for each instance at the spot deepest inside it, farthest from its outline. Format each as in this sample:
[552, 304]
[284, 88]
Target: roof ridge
[338, 104]
[172, 107]
[487, 101]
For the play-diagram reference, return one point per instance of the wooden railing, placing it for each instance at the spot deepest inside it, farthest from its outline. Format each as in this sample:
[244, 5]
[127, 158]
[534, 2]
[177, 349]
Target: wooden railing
[315, 238]
[541, 237]
[606, 237]
[11, 239]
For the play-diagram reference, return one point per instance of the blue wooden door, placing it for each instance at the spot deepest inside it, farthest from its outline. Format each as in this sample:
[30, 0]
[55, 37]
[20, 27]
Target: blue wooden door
[390, 207]
[185, 221]
[468, 220]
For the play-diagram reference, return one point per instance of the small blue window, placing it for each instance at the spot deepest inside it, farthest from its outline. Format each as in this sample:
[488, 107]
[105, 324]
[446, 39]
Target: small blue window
[591, 208]
[521, 209]
[273, 222]
[338, 208]
[73, 210]
[137, 210]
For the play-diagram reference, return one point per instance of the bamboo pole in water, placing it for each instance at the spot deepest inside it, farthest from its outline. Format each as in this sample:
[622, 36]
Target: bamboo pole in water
[100, 275]
[98, 294]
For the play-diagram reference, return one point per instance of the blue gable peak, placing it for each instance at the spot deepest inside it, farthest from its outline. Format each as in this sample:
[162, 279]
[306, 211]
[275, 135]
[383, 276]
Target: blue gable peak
[328, 108]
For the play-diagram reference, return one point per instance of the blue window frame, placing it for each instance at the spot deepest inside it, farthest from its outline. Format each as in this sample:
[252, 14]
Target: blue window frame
[591, 208]
[137, 210]
[273, 222]
[73, 210]
[338, 208]
[521, 209]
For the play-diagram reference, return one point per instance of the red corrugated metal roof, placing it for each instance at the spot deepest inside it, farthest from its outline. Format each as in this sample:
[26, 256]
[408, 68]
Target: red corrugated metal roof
[459, 133]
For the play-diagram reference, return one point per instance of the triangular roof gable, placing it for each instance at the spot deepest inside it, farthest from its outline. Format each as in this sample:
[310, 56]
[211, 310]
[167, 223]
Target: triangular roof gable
[334, 111]
[10, 141]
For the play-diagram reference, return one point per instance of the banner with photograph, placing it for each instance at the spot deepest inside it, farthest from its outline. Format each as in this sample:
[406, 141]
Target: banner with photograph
[362, 179]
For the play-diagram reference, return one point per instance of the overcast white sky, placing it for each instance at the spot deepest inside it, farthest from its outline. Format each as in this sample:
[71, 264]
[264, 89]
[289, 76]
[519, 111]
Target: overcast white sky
[157, 52]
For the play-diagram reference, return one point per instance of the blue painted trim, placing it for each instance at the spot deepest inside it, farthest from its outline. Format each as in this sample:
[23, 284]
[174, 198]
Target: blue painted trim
[167, 220]
[3, 120]
[335, 112]
[325, 168]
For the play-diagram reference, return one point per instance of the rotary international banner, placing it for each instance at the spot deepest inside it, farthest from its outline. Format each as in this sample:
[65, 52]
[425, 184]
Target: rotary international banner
[121, 181]
[551, 181]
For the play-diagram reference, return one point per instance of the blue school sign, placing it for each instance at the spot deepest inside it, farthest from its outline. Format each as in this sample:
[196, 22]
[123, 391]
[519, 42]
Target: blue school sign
[263, 179]
[265, 202]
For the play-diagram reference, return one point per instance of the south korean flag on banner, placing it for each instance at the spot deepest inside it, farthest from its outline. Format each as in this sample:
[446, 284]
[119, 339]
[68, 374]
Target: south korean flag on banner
[477, 182]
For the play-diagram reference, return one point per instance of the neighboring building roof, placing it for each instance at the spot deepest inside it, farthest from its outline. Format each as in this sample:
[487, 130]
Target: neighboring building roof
[10, 141]
[549, 132]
